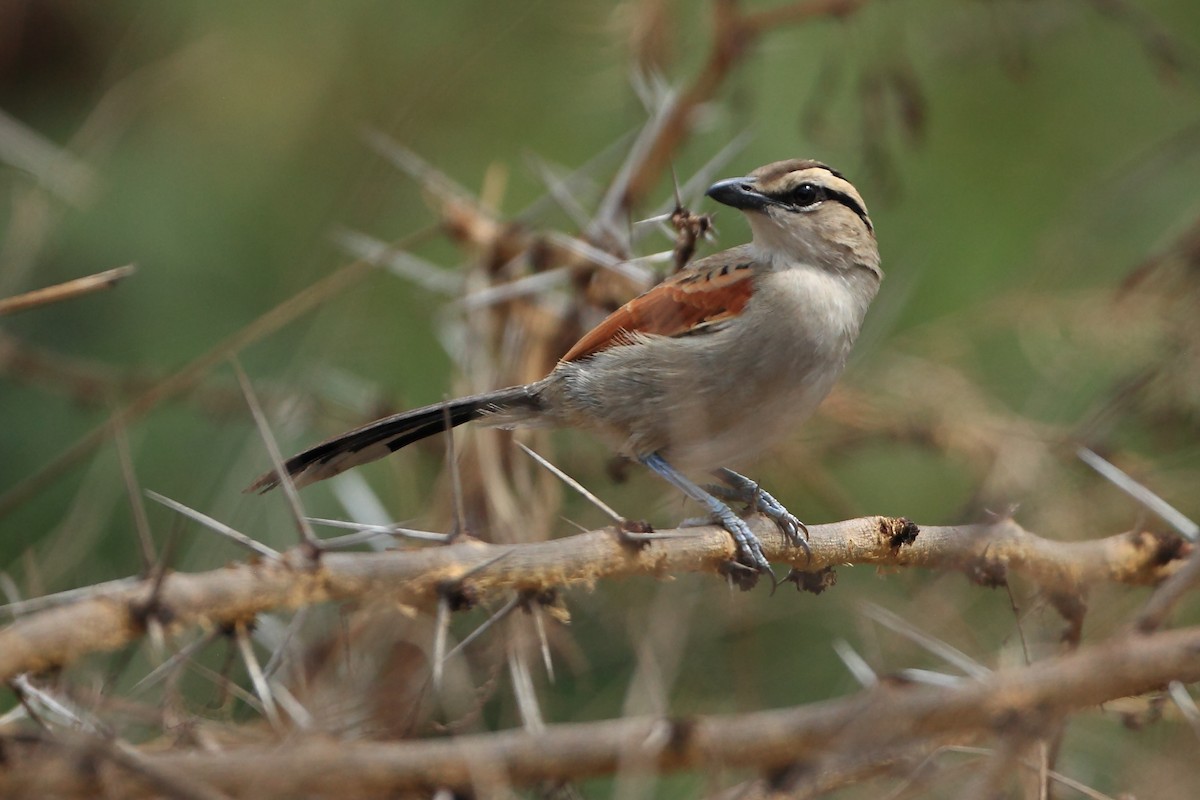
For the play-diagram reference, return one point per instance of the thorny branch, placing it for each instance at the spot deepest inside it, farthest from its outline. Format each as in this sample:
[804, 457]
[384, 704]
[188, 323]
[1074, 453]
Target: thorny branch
[115, 615]
[1012, 702]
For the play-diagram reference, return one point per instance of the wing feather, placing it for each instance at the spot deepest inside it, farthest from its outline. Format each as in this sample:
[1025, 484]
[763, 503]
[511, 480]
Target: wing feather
[687, 301]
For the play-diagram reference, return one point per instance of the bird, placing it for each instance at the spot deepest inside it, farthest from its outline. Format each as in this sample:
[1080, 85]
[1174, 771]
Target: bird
[710, 367]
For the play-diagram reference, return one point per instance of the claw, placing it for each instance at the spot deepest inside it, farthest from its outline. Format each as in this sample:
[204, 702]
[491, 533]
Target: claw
[795, 530]
[742, 488]
[749, 548]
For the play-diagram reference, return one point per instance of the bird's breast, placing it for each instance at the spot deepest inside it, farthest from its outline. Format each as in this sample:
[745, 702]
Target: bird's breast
[803, 318]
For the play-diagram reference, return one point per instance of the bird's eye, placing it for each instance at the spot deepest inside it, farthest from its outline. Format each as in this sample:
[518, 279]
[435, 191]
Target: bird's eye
[806, 194]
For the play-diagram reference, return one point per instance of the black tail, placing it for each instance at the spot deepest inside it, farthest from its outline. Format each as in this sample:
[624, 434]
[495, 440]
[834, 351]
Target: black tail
[384, 436]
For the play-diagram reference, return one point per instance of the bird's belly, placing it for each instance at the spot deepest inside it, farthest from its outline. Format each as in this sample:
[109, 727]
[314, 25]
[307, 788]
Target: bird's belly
[733, 421]
[702, 401]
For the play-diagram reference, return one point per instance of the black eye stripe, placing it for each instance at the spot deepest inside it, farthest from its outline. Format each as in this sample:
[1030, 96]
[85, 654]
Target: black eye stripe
[815, 193]
[850, 203]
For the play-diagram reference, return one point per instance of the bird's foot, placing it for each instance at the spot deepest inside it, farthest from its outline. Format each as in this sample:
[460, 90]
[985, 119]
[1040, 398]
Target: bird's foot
[751, 561]
[750, 552]
[739, 487]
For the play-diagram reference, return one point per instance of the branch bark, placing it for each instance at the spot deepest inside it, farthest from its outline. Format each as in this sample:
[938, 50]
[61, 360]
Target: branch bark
[1019, 701]
[117, 613]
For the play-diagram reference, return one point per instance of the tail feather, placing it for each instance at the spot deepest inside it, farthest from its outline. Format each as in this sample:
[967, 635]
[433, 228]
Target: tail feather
[385, 436]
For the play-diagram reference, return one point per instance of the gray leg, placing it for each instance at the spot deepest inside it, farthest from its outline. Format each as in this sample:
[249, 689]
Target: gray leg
[748, 491]
[748, 544]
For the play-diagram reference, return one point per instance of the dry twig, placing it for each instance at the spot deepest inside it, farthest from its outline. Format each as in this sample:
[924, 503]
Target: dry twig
[65, 291]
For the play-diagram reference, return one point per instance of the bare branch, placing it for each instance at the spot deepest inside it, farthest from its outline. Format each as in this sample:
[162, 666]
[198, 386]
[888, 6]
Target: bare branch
[885, 716]
[112, 616]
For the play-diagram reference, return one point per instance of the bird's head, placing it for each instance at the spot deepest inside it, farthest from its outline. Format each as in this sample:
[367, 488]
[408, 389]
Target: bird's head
[803, 211]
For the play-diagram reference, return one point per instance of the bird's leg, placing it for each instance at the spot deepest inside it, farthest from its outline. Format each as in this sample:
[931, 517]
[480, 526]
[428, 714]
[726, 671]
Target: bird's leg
[749, 547]
[739, 487]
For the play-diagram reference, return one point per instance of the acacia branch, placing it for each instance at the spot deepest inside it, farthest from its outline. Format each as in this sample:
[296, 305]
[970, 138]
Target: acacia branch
[1012, 702]
[116, 614]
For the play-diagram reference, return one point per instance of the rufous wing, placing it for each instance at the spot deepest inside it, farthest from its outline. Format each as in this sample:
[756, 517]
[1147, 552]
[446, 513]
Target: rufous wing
[686, 302]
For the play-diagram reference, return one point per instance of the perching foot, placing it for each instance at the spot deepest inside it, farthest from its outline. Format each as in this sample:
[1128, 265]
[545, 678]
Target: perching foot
[750, 552]
[739, 487]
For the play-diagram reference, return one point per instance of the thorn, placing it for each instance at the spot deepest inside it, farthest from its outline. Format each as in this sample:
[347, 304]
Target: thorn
[259, 681]
[12, 592]
[597, 163]
[141, 524]
[939, 648]
[215, 526]
[675, 185]
[489, 622]
[510, 290]
[150, 611]
[431, 178]
[617, 519]
[703, 177]
[540, 623]
[366, 532]
[277, 657]
[295, 709]
[441, 627]
[1168, 513]
[640, 532]
[311, 542]
[558, 190]
[159, 672]
[616, 199]
[65, 710]
[400, 263]
[855, 663]
[1186, 704]
[525, 694]
[480, 567]
[742, 576]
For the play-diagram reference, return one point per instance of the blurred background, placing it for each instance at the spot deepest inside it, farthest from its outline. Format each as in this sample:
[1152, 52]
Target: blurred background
[1031, 167]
